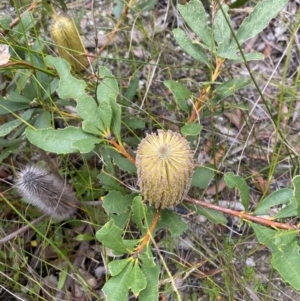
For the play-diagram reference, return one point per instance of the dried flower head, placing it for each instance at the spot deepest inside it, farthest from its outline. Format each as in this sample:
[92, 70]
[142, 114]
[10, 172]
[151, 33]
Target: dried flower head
[165, 167]
[45, 190]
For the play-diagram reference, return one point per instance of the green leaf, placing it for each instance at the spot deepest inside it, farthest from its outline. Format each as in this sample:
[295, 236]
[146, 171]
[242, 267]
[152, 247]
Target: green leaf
[86, 145]
[117, 207]
[131, 90]
[285, 251]
[69, 86]
[287, 261]
[5, 22]
[62, 278]
[151, 272]
[117, 9]
[117, 266]
[84, 237]
[202, 176]
[8, 106]
[26, 23]
[89, 127]
[253, 56]
[193, 49]
[131, 244]
[139, 214]
[181, 94]
[109, 182]
[238, 3]
[105, 113]
[228, 52]
[191, 129]
[106, 156]
[235, 181]
[172, 222]
[148, 261]
[274, 239]
[146, 4]
[122, 162]
[115, 289]
[117, 203]
[18, 98]
[42, 119]
[296, 183]
[276, 198]
[212, 215]
[111, 236]
[108, 91]
[195, 16]
[11, 147]
[134, 123]
[259, 18]
[121, 220]
[288, 211]
[72, 88]
[8, 127]
[62, 141]
[230, 87]
[222, 32]
[136, 280]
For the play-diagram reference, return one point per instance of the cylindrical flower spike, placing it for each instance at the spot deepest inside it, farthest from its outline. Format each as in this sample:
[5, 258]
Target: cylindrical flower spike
[165, 167]
[68, 41]
[45, 190]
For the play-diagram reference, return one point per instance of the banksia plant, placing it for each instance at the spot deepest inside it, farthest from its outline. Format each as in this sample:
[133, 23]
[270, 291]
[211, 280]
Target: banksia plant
[48, 192]
[70, 47]
[165, 167]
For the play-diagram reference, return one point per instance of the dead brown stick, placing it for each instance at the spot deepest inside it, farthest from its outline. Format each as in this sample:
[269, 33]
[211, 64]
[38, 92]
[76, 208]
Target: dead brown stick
[21, 230]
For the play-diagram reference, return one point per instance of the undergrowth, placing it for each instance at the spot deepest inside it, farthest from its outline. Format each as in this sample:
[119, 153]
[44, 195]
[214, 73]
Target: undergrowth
[226, 78]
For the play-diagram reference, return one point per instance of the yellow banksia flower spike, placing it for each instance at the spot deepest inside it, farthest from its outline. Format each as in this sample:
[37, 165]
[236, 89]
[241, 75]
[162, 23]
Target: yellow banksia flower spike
[165, 167]
[70, 47]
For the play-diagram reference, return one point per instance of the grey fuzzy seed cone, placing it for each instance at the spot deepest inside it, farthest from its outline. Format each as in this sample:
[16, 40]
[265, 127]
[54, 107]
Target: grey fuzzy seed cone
[48, 192]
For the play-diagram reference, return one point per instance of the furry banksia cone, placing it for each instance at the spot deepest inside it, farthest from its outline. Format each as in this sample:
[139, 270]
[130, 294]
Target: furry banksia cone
[48, 192]
[70, 47]
[165, 167]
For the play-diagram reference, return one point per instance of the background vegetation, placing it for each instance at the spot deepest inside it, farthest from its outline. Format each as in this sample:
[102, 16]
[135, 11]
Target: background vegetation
[149, 67]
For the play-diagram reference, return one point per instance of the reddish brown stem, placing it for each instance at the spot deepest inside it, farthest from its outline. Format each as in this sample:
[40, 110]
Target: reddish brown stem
[242, 215]
[206, 90]
[148, 235]
[17, 20]
[121, 150]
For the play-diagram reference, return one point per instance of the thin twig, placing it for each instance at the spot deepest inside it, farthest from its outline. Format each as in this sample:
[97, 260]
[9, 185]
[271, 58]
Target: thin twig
[30, 8]
[22, 230]
[117, 27]
[17, 20]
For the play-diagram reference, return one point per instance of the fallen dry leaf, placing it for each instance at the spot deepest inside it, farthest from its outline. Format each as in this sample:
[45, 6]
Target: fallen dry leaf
[4, 54]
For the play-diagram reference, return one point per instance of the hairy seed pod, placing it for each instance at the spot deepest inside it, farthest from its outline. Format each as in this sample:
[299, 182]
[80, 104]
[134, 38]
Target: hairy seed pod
[165, 167]
[66, 36]
[48, 192]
